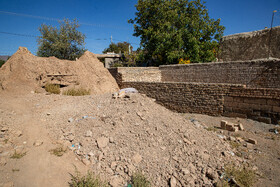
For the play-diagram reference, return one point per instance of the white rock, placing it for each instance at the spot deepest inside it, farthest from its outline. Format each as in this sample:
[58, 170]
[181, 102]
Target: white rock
[89, 133]
[173, 181]
[102, 142]
[116, 181]
[137, 158]
[38, 143]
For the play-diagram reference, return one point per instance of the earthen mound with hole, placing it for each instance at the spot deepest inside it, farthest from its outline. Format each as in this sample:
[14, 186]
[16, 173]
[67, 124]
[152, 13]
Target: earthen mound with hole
[26, 72]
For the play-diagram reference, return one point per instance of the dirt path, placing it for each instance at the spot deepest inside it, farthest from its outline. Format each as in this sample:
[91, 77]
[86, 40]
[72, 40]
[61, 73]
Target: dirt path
[38, 167]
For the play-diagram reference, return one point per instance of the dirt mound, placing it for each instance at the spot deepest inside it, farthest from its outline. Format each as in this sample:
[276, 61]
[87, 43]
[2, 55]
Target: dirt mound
[24, 71]
[118, 137]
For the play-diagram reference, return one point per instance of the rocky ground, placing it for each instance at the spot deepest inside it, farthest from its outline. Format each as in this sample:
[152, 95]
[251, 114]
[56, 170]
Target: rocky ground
[118, 137]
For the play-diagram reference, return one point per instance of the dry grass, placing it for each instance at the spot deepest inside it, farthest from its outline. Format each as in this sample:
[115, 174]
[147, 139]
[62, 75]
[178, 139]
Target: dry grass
[244, 176]
[76, 92]
[139, 180]
[52, 88]
[89, 180]
[59, 151]
[18, 155]
[234, 144]
[214, 129]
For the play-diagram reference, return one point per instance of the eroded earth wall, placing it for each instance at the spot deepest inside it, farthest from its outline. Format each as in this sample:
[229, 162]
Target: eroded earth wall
[250, 45]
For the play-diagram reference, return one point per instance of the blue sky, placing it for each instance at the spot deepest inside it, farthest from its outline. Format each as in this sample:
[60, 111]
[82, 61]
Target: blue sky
[105, 18]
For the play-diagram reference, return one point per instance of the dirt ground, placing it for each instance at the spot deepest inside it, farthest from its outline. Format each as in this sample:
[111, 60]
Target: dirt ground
[117, 137]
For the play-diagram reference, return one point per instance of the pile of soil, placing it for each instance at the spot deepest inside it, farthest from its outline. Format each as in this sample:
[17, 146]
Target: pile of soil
[117, 137]
[26, 72]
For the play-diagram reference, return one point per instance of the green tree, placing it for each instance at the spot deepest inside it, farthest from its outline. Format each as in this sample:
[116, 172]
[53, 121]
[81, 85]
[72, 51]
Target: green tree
[2, 62]
[176, 29]
[117, 48]
[64, 43]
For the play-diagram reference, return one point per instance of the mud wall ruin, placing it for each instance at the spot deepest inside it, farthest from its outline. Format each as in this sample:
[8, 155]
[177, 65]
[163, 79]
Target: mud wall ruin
[250, 45]
[249, 89]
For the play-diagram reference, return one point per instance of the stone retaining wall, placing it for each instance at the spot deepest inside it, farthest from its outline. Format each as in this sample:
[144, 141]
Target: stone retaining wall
[186, 97]
[255, 103]
[214, 99]
[260, 73]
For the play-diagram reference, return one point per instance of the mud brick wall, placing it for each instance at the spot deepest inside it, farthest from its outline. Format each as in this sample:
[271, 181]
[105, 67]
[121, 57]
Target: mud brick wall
[135, 74]
[186, 97]
[260, 73]
[250, 45]
[255, 103]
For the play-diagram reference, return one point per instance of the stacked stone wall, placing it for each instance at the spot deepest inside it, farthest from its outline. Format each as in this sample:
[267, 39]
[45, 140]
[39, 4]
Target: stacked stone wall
[257, 74]
[255, 103]
[186, 97]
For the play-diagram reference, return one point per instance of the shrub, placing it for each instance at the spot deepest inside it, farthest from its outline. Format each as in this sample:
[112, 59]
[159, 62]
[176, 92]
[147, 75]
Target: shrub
[76, 92]
[89, 180]
[52, 88]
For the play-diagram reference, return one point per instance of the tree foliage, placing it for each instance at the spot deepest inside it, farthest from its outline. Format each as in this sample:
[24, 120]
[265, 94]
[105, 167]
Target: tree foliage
[120, 47]
[65, 42]
[176, 29]
[2, 62]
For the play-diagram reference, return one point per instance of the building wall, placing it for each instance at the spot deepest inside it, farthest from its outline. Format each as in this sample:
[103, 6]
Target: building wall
[250, 45]
[259, 73]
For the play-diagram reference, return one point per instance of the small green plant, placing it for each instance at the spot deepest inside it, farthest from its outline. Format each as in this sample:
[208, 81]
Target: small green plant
[76, 92]
[15, 170]
[59, 151]
[52, 88]
[139, 180]
[214, 129]
[6, 141]
[234, 144]
[243, 175]
[18, 155]
[89, 180]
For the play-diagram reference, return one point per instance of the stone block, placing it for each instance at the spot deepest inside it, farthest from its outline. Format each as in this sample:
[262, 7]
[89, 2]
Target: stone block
[255, 101]
[276, 109]
[252, 141]
[231, 127]
[240, 127]
[273, 102]
[223, 124]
